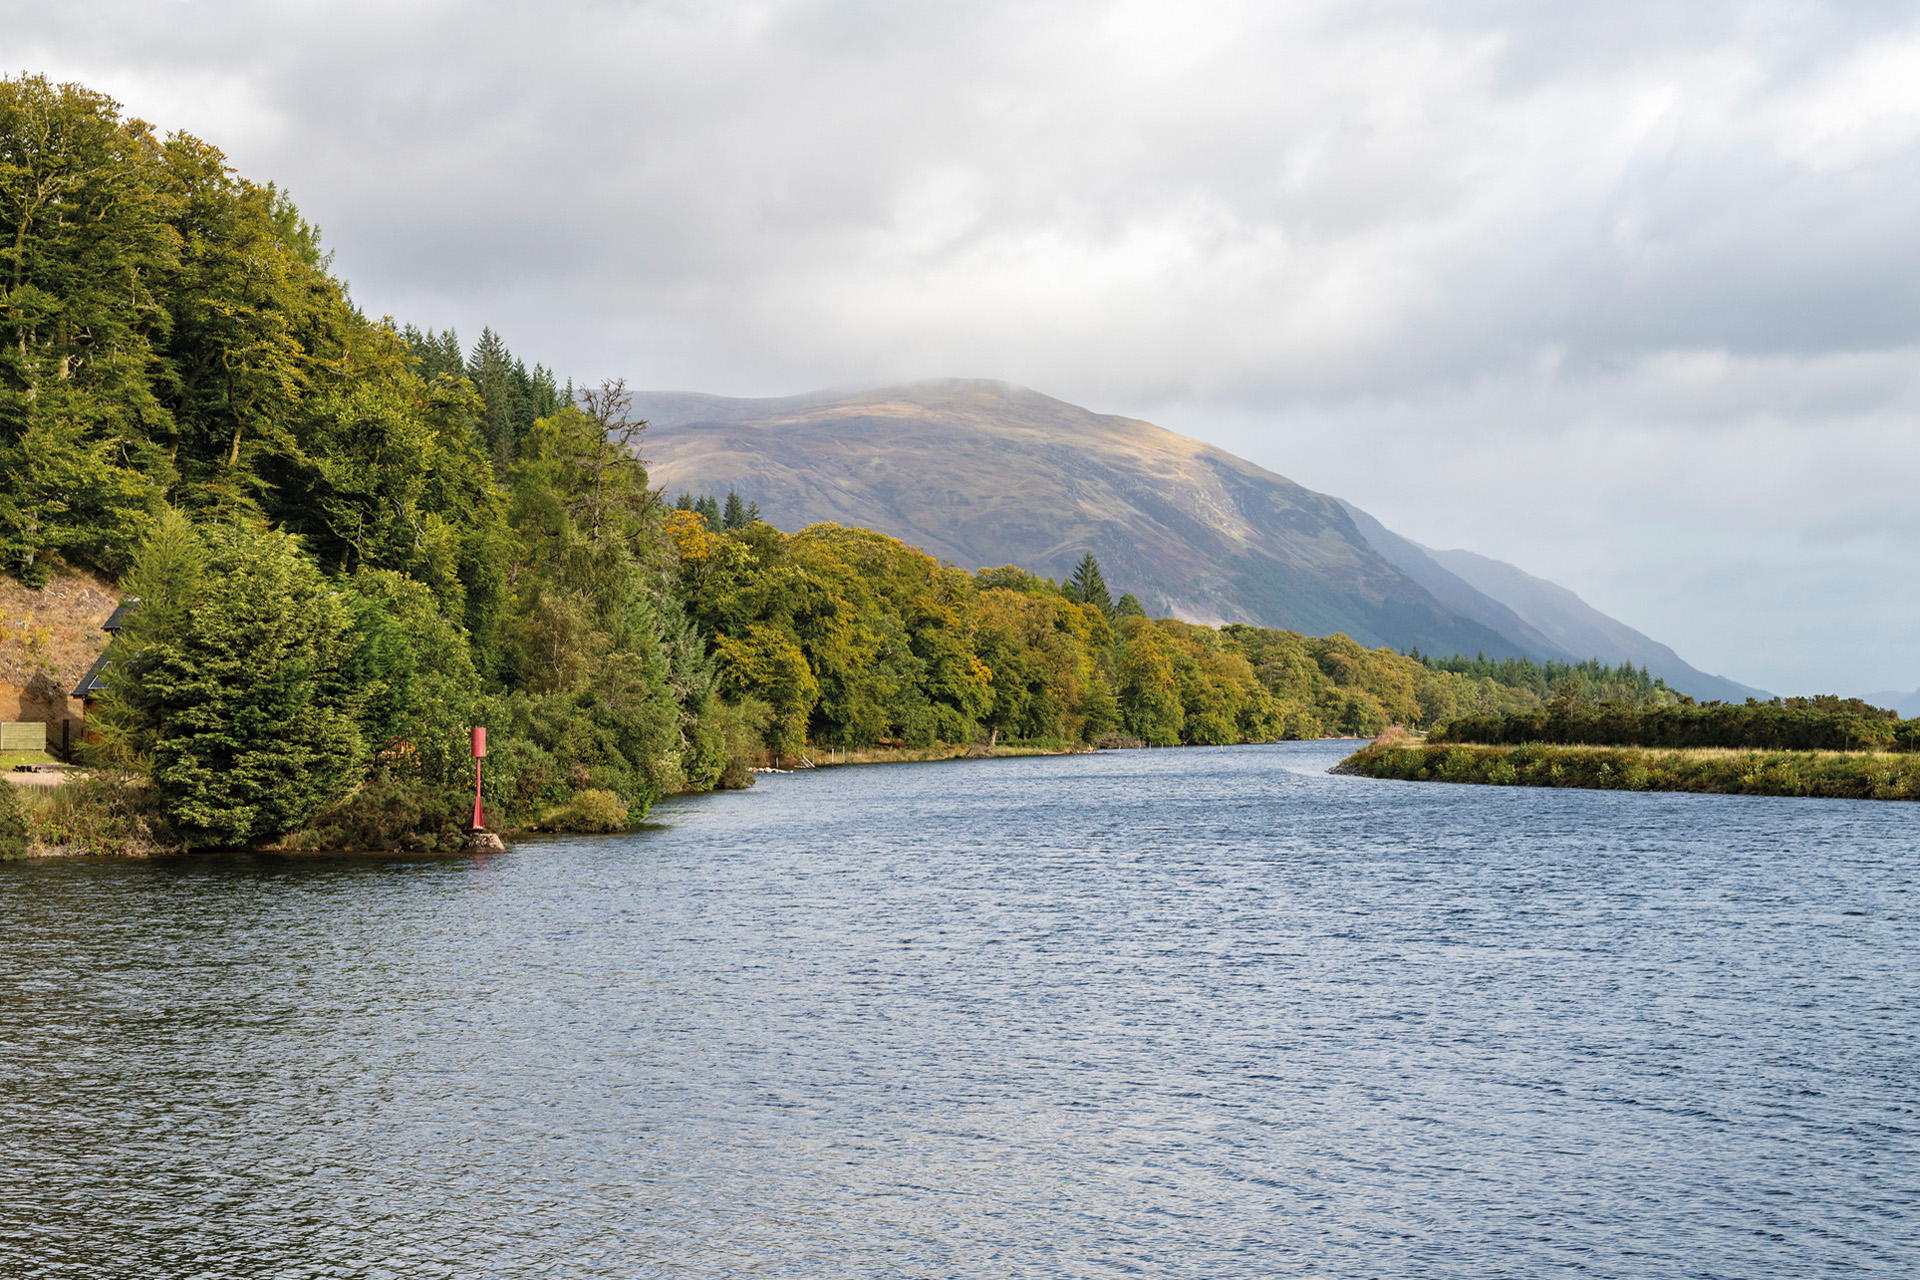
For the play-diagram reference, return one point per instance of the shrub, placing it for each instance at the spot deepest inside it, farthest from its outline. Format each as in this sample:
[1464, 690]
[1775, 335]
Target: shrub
[104, 815]
[590, 811]
[14, 840]
[390, 813]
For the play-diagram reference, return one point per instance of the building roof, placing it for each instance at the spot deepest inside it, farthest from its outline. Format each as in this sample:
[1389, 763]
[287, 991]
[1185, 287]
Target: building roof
[126, 609]
[93, 684]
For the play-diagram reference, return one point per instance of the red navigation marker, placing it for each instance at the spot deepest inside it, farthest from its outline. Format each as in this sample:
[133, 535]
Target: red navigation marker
[479, 750]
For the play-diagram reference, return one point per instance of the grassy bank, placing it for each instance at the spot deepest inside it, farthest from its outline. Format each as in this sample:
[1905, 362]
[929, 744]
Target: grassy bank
[825, 757]
[1840, 775]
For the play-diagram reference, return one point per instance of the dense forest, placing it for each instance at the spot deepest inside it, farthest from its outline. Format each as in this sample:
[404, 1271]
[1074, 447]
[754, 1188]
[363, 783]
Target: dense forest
[353, 539]
[1591, 681]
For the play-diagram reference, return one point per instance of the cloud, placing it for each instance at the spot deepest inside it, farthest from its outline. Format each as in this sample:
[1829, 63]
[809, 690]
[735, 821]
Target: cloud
[1624, 293]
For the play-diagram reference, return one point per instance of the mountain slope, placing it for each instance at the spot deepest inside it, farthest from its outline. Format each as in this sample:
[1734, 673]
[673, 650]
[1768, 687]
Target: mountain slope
[982, 473]
[1577, 627]
[1455, 592]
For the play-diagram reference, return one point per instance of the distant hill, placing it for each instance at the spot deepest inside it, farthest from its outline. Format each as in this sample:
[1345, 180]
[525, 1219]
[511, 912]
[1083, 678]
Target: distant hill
[1907, 704]
[1540, 612]
[983, 473]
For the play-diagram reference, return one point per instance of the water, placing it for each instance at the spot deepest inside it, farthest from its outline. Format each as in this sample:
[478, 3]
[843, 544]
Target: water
[1175, 1013]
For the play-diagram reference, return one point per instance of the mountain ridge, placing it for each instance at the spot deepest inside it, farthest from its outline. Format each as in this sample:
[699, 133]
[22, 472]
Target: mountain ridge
[982, 473]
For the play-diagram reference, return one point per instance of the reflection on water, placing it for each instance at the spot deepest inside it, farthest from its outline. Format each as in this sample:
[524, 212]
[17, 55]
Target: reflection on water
[1178, 1013]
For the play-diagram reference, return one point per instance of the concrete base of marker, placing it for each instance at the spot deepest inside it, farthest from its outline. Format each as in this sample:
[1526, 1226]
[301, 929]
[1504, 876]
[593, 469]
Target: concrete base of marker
[485, 842]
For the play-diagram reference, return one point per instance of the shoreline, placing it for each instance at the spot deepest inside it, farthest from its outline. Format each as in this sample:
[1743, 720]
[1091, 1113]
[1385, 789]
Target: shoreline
[1826, 775]
[834, 759]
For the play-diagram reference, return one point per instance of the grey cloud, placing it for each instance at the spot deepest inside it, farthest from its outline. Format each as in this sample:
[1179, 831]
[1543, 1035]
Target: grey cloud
[1432, 258]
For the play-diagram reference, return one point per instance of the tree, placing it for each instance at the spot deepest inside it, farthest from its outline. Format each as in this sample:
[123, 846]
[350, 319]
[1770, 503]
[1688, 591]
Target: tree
[1149, 693]
[765, 663]
[611, 475]
[1128, 607]
[491, 370]
[235, 680]
[1088, 587]
[85, 204]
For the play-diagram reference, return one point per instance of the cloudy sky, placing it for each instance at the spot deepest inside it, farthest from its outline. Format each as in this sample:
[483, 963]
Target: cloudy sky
[1624, 294]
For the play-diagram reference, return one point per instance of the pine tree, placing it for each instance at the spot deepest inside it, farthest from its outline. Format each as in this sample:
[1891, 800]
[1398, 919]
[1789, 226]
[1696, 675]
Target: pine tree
[491, 367]
[735, 515]
[1089, 587]
[239, 688]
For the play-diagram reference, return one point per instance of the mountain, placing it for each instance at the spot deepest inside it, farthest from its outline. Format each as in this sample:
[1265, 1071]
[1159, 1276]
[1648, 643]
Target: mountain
[1907, 704]
[983, 473]
[1455, 592]
[1545, 614]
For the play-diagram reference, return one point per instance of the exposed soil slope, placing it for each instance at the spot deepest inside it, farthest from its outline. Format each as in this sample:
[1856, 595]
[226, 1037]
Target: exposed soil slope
[48, 640]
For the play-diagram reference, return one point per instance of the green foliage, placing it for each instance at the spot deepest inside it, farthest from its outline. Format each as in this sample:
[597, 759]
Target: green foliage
[86, 204]
[14, 837]
[239, 694]
[590, 811]
[736, 513]
[1797, 724]
[1087, 586]
[1850, 776]
[1589, 681]
[353, 542]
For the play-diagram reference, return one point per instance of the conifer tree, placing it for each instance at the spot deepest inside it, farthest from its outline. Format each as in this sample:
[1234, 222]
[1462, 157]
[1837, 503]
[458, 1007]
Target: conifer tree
[491, 367]
[1089, 587]
[735, 514]
[233, 683]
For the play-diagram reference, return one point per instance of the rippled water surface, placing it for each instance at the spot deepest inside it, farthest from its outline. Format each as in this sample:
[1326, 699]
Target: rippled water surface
[1178, 1013]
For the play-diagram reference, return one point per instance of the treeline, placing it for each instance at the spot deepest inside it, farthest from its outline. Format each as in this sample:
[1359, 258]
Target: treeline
[353, 540]
[1783, 724]
[1590, 681]
[1836, 776]
[736, 513]
[852, 638]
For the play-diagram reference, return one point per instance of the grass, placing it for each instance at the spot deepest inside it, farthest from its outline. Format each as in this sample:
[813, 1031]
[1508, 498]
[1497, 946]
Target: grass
[825, 756]
[8, 759]
[98, 816]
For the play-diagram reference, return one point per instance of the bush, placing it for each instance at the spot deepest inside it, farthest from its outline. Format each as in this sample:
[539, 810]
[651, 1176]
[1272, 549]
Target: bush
[390, 813]
[1117, 741]
[14, 840]
[591, 812]
[102, 815]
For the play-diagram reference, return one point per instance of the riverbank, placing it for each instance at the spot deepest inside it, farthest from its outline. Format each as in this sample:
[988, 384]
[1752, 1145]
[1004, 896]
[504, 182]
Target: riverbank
[1838, 775]
[829, 757]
